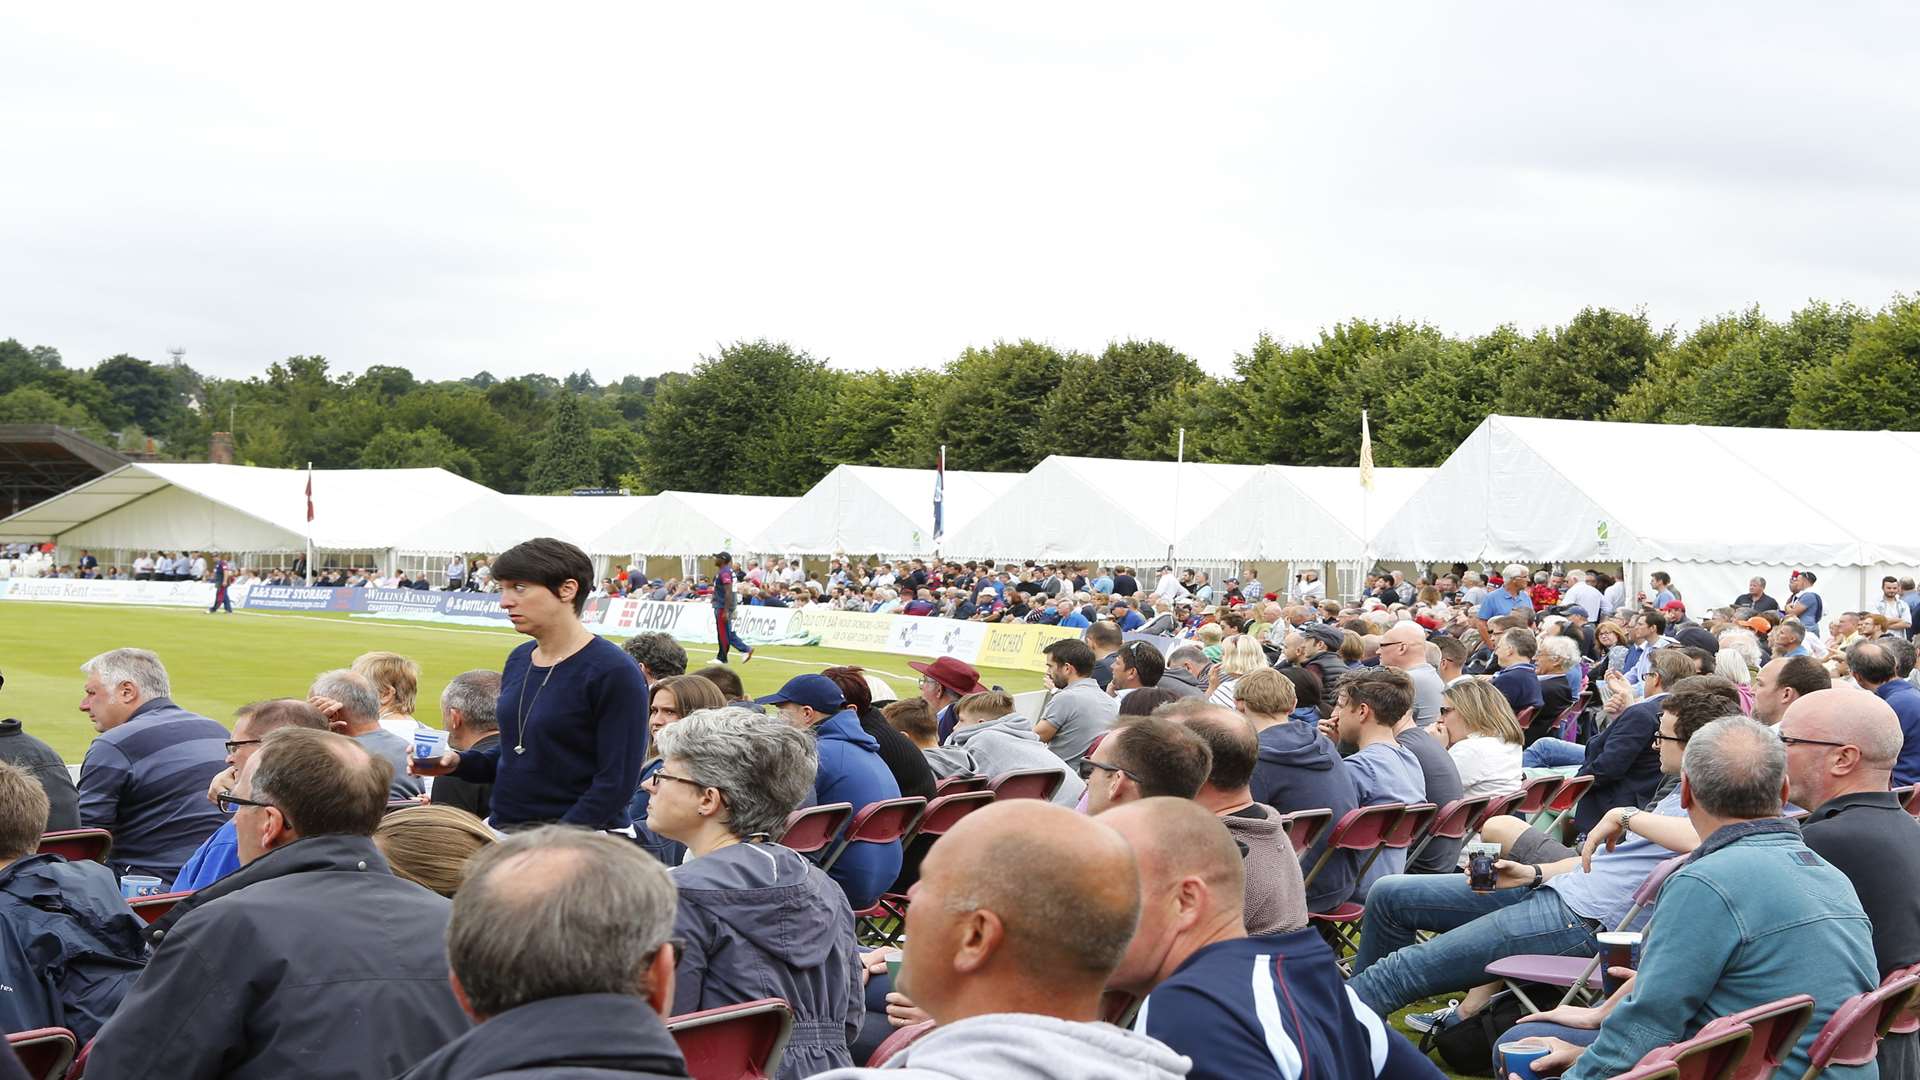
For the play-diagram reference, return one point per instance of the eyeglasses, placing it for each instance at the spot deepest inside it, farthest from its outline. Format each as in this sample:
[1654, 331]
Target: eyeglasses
[1790, 740]
[229, 802]
[1659, 737]
[1088, 765]
[659, 776]
[235, 744]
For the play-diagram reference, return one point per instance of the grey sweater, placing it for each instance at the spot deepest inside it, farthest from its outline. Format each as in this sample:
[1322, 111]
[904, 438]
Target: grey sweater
[1002, 746]
[1276, 898]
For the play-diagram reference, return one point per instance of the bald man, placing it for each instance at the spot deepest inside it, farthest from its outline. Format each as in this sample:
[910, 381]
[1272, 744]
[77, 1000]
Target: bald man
[1018, 919]
[1841, 747]
[1404, 646]
[1241, 1007]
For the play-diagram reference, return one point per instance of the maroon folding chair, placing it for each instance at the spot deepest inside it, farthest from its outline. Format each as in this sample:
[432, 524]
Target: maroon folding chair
[1776, 1028]
[1562, 802]
[1710, 1055]
[1361, 829]
[1498, 805]
[1405, 831]
[953, 784]
[44, 1052]
[886, 920]
[1028, 783]
[734, 1042]
[810, 830]
[1304, 827]
[1534, 796]
[1452, 822]
[1909, 798]
[1575, 972]
[1908, 1021]
[151, 908]
[898, 1041]
[1852, 1034]
[1525, 716]
[77, 845]
[880, 822]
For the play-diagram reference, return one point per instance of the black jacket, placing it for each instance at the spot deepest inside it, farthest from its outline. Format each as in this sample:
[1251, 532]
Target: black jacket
[63, 799]
[469, 795]
[904, 760]
[311, 961]
[586, 1037]
[69, 948]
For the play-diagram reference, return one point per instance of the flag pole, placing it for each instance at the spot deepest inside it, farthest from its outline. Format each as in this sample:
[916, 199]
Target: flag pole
[1179, 460]
[939, 503]
[309, 523]
[1366, 495]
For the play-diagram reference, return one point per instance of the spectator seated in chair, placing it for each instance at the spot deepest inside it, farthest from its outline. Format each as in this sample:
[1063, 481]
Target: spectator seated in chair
[220, 855]
[1299, 769]
[992, 739]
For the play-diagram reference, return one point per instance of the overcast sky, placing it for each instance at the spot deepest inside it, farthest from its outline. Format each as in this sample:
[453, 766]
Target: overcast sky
[529, 188]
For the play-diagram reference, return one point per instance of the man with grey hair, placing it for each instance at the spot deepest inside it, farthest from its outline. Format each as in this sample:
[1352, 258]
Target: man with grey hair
[468, 711]
[1753, 916]
[351, 704]
[145, 778]
[1186, 673]
[658, 655]
[558, 949]
[1841, 747]
[311, 960]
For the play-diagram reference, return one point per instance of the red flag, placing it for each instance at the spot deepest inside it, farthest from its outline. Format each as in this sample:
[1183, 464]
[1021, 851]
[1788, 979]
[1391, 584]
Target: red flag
[309, 493]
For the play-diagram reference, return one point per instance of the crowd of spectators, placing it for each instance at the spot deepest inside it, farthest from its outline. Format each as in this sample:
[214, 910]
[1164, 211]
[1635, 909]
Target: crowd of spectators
[358, 911]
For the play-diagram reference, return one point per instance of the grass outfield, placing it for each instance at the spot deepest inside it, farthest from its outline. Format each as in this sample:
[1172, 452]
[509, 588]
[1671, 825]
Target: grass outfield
[220, 662]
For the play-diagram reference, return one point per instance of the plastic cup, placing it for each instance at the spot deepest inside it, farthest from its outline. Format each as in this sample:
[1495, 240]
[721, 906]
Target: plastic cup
[1517, 1058]
[1617, 949]
[137, 885]
[893, 972]
[429, 742]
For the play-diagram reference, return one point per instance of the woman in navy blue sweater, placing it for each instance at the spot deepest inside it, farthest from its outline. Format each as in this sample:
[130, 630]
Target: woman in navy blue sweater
[573, 706]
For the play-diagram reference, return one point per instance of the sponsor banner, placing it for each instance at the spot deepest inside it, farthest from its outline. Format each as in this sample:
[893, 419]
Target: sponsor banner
[1020, 646]
[466, 605]
[303, 598]
[114, 591]
[402, 601]
[919, 635]
[847, 629]
[693, 621]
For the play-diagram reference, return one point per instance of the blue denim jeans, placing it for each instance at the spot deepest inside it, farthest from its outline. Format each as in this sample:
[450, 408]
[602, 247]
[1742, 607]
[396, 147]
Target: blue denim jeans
[1552, 753]
[1540, 1029]
[1476, 929]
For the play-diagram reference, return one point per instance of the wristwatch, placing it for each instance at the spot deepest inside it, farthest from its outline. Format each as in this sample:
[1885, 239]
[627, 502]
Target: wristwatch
[1626, 816]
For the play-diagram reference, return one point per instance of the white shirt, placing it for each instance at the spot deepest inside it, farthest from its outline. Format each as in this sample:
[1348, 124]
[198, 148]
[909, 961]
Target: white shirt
[199, 568]
[1488, 766]
[1587, 597]
[1310, 590]
[1611, 600]
[1169, 588]
[1895, 610]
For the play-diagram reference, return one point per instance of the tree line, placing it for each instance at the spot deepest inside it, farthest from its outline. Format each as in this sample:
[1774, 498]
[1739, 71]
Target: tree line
[766, 417]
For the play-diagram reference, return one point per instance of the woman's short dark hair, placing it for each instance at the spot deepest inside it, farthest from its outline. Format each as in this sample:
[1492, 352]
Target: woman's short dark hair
[852, 682]
[549, 563]
[1143, 701]
[726, 679]
[1306, 688]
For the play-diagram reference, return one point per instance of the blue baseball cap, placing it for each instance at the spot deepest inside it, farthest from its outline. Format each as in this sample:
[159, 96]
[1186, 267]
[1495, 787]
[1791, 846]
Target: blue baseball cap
[816, 692]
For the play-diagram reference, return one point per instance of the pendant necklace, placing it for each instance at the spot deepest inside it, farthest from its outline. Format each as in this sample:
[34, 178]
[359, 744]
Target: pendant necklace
[526, 710]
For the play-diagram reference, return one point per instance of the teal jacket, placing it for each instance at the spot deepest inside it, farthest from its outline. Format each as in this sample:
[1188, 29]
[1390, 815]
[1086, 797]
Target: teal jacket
[1753, 916]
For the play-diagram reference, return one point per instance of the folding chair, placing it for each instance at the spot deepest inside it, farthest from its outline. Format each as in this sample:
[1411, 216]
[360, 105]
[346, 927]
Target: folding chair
[1534, 796]
[78, 845]
[44, 1052]
[942, 814]
[1360, 829]
[880, 822]
[1525, 716]
[151, 908]
[952, 784]
[1574, 972]
[1852, 1034]
[1405, 830]
[898, 1041]
[734, 1042]
[1498, 805]
[1452, 822]
[1776, 1028]
[1907, 1022]
[1304, 827]
[1910, 798]
[809, 831]
[1562, 802]
[1710, 1055]
[1028, 783]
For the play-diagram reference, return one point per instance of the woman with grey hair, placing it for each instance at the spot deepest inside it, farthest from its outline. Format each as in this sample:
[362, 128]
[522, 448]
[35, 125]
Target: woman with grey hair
[757, 920]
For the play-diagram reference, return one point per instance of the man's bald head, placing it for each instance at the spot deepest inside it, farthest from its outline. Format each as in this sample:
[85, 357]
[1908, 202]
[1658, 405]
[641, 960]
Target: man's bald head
[1848, 716]
[1063, 885]
[1178, 838]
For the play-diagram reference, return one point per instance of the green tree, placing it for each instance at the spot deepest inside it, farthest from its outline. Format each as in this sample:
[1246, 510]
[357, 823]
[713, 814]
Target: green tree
[1870, 386]
[989, 409]
[564, 457]
[1095, 406]
[34, 405]
[149, 395]
[745, 420]
[1302, 403]
[417, 448]
[1578, 370]
[1444, 390]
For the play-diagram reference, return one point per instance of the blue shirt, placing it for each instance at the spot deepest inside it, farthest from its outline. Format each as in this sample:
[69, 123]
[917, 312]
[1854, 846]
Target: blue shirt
[1811, 601]
[146, 783]
[1386, 773]
[1131, 621]
[1102, 585]
[1265, 1008]
[1904, 699]
[1499, 602]
[1606, 892]
[1074, 619]
[217, 858]
[585, 736]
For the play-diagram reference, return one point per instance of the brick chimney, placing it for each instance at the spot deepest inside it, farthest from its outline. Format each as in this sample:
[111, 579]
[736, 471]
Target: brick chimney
[220, 449]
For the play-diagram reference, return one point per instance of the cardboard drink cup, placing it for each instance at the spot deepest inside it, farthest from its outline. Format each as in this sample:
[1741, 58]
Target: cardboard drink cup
[429, 742]
[1518, 1058]
[136, 885]
[1617, 949]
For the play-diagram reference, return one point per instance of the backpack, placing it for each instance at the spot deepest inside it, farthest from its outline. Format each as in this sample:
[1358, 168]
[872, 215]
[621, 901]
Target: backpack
[1467, 1046]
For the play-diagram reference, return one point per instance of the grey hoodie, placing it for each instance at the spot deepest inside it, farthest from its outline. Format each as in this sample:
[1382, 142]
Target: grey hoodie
[1024, 1046]
[1002, 746]
[761, 921]
[1276, 900]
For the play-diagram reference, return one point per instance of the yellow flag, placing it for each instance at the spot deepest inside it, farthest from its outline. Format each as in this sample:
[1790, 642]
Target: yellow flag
[1366, 453]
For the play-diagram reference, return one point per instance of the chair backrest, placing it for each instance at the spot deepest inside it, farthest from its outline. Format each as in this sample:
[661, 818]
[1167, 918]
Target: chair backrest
[963, 782]
[1525, 716]
[734, 1042]
[1359, 829]
[898, 1041]
[1305, 826]
[44, 1052]
[1710, 1055]
[1910, 798]
[1650, 888]
[1498, 805]
[1568, 793]
[1411, 825]
[1852, 1034]
[1028, 783]
[1535, 795]
[815, 827]
[1776, 1028]
[1456, 819]
[151, 908]
[885, 821]
[946, 810]
[77, 845]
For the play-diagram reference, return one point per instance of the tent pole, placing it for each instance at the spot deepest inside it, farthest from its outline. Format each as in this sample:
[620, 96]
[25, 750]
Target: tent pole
[1179, 463]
